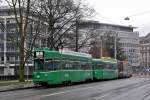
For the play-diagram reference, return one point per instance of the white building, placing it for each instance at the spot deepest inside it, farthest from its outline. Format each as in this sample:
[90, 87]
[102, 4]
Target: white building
[130, 45]
[9, 58]
[127, 37]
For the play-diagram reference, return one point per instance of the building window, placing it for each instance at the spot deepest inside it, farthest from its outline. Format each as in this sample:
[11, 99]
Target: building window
[12, 30]
[7, 58]
[2, 21]
[2, 58]
[12, 59]
[8, 21]
[11, 20]
[17, 58]
[10, 49]
[1, 71]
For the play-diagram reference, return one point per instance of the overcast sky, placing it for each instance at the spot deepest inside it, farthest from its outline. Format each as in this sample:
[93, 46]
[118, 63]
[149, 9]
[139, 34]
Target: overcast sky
[114, 12]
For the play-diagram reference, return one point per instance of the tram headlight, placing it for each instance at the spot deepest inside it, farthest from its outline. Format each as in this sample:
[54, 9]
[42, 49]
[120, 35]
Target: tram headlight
[45, 74]
[38, 76]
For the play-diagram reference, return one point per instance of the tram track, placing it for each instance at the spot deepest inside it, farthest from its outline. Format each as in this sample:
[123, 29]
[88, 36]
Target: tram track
[94, 91]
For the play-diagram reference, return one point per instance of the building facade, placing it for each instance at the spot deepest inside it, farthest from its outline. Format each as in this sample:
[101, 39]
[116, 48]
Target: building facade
[9, 58]
[145, 50]
[128, 39]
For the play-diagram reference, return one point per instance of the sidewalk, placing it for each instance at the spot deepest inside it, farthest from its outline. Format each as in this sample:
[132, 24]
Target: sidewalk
[15, 85]
[141, 75]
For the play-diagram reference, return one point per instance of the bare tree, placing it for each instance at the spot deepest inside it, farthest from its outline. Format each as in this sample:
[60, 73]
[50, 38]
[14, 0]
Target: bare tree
[84, 39]
[61, 17]
[108, 46]
[25, 39]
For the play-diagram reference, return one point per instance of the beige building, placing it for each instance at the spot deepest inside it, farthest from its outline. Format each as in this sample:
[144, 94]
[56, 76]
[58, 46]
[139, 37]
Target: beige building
[145, 51]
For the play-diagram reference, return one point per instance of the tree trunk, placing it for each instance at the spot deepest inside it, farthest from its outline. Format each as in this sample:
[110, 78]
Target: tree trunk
[50, 43]
[21, 71]
[21, 67]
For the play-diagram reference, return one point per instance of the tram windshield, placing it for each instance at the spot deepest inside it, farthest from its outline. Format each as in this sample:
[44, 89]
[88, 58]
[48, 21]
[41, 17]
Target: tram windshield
[49, 65]
[39, 64]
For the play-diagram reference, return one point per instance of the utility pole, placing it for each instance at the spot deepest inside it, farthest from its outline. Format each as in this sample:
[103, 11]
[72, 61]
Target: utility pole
[101, 47]
[27, 71]
[76, 49]
[115, 47]
[5, 24]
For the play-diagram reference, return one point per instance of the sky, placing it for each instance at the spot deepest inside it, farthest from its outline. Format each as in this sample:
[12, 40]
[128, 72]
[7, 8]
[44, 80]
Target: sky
[114, 12]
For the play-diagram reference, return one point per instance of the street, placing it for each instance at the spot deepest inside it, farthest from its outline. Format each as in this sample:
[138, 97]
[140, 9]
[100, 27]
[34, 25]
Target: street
[123, 89]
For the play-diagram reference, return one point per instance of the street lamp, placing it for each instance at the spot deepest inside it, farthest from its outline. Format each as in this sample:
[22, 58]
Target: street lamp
[126, 18]
[101, 51]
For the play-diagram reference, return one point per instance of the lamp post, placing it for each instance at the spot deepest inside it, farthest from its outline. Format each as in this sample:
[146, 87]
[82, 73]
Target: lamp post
[27, 71]
[76, 48]
[101, 47]
[115, 46]
[5, 26]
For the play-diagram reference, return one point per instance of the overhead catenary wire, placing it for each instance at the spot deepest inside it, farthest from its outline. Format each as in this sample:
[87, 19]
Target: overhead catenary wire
[140, 13]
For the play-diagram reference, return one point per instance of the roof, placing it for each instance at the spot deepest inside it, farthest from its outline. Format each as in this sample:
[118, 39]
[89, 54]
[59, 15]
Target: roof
[75, 53]
[97, 22]
[145, 38]
[106, 59]
[65, 52]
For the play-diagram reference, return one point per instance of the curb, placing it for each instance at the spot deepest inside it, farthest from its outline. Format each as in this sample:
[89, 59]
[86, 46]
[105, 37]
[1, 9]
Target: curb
[21, 87]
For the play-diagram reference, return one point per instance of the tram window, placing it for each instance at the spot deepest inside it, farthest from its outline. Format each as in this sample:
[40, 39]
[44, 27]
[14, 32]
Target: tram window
[111, 66]
[49, 65]
[114, 66]
[56, 65]
[107, 66]
[89, 65]
[75, 65]
[63, 64]
[85, 66]
[38, 64]
[67, 65]
[99, 66]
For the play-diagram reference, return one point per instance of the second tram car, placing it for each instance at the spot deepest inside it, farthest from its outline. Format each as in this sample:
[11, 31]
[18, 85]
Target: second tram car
[105, 68]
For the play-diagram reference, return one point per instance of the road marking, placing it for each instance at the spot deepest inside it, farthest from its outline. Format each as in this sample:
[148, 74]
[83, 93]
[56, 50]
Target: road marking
[96, 98]
[58, 93]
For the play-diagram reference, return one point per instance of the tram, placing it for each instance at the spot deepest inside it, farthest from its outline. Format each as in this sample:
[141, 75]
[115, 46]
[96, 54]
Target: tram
[58, 67]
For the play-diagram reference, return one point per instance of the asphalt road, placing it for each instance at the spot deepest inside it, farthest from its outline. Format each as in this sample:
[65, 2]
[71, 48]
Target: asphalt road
[123, 89]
